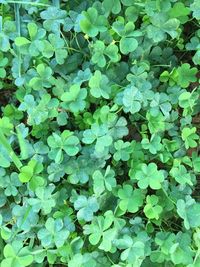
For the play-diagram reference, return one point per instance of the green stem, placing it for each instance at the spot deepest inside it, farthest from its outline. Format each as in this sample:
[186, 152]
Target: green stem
[1, 23]
[18, 27]
[26, 3]
[22, 144]
[10, 151]
[168, 196]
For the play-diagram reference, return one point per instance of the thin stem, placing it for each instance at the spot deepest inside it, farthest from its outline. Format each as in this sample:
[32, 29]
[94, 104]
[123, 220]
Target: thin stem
[22, 144]
[18, 27]
[1, 23]
[10, 151]
[168, 196]
[27, 3]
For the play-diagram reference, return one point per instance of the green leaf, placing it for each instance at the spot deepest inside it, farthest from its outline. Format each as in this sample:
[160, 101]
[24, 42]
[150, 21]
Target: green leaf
[103, 182]
[189, 211]
[74, 100]
[92, 23]
[20, 41]
[16, 255]
[66, 142]
[152, 210]
[186, 75]
[195, 7]
[98, 134]
[148, 175]
[86, 208]
[5, 125]
[99, 231]
[132, 99]
[130, 200]
[189, 136]
[123, 150]
[153, 145]
[112, 6]
[180, 11]
[181, 175]
[128, 45]
[99, 85]
[53, 233]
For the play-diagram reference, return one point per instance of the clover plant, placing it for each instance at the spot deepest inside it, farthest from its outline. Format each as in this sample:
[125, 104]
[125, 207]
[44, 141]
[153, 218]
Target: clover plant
[99, 133]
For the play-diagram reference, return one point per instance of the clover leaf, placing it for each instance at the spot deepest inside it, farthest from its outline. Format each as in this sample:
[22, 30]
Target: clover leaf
[130, 200]
[79, 260]
[30, 173]
[134, 249]
[112, 6]
[74, 99]
[36, 113]
[98, 84]
[53, 233]
[160, 102]
[180, 252]
[92, 23]
[104, 181]
[195, 7]
[181, 175]
[123, 150]
[98, 134]
[26, 218]
[10, 183]
[153, 145]
[99, 231]
[187, 101]
[132, 99]
[53, 18]
[189, 136]
[101, 51]
[196, 162]
[161, 25]
[4, 42]
[152, 210]
[86, 207]
[65, 142]
[155, 123]
[5, 125]
[180, 11]
[3, 63]
[128, 43]
[149, 175]
[43, 200]
[16, 255]
[186, 75]
[78, 170]
[41, 79]
[189, 211]
[58, 48]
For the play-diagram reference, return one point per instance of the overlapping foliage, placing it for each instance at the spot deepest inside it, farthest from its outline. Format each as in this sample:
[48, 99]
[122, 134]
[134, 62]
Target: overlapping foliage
[99, 133]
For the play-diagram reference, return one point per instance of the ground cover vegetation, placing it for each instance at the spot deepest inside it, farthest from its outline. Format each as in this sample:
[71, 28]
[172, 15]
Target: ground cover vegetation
[99, 133]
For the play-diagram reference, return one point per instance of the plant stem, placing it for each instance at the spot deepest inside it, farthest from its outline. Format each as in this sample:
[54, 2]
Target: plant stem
[10, 151]
[26, 3]
[18, 27]
[22, 144]
[168, 196]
